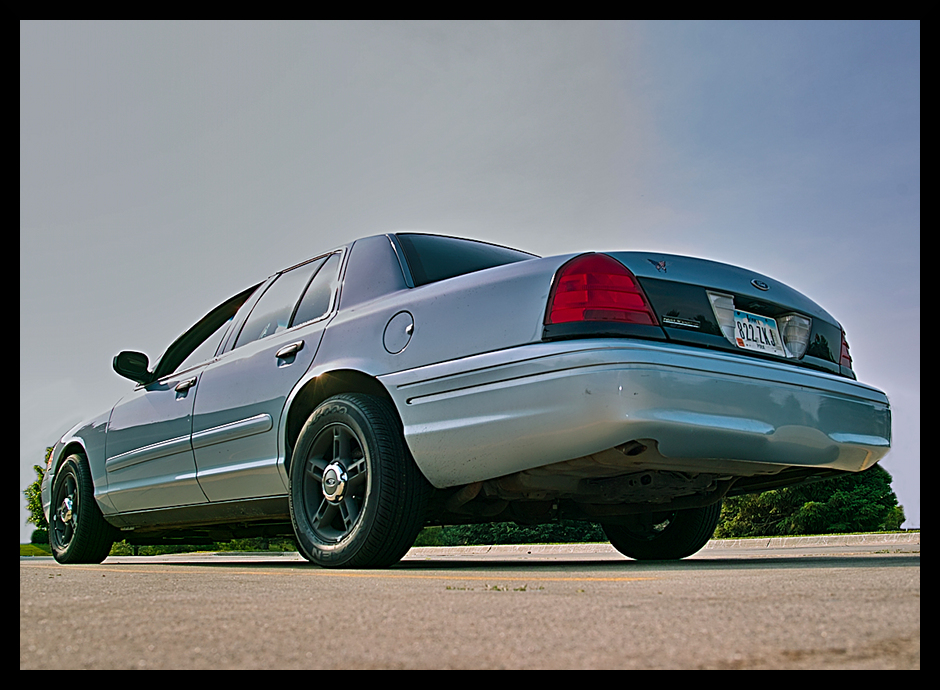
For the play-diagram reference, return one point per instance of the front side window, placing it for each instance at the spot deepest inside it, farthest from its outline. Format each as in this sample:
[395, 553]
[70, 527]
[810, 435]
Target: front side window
[272, 313]
[201, 342]
[207, 349]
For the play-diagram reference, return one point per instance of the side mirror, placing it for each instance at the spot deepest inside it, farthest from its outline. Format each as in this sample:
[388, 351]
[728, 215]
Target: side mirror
[134, 366]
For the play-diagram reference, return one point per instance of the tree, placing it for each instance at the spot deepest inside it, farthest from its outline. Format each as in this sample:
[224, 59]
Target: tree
[857, 502]
[34, 496]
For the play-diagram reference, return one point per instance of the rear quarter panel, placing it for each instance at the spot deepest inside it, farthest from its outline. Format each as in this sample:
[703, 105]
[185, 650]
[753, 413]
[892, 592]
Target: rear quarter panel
[486, 311]
[479, 312]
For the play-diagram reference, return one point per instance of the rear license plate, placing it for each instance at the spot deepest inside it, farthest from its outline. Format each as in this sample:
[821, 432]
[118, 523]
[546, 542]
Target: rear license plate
[758, 333]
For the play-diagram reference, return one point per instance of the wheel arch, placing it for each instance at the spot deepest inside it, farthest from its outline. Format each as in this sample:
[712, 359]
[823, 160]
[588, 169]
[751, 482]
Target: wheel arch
[320, 387]
[72, 447]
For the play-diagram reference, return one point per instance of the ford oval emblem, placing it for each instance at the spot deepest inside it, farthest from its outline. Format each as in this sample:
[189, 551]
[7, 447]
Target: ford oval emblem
[760, 284]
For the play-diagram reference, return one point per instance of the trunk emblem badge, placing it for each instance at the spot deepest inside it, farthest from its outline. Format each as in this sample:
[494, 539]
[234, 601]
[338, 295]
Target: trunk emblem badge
[760, 284]
[660, 265]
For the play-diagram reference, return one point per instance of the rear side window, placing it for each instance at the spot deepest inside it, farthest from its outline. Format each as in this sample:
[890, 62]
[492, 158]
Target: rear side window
[273, 311]
[319, 295]
[433, 257]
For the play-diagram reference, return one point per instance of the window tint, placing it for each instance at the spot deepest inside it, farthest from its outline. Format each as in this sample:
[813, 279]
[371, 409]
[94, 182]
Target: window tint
[316, 300]
[201, 341]
[433, 257]
[207, 349]
[273, 311]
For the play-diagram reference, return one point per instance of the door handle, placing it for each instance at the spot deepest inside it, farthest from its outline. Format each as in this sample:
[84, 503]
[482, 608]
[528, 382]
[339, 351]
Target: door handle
[289, 350]
[185, 385]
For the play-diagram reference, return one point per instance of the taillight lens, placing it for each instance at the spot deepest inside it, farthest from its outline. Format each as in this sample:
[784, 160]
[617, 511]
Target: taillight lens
[596, 287]
[845, 359]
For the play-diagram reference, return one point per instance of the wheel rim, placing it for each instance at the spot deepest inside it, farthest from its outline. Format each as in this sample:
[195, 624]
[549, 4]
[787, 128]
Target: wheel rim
[66, 512]
[335, 482]
[650, 526]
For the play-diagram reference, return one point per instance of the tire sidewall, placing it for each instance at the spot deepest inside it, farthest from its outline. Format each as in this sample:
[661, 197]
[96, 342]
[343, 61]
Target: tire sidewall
[92, 537]
[68, 469]
[340, 410]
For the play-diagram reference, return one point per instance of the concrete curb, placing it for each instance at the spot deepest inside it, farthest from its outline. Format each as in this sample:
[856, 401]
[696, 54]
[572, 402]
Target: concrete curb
[816, 540]
[761, 543]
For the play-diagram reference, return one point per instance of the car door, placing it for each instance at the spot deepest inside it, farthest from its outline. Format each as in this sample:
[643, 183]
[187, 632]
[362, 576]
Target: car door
[150, 462]
[148, 448]
[242, 395]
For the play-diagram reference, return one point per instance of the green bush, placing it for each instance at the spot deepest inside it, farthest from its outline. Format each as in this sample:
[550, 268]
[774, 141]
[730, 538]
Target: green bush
[861, 502]
[33, 496]
[122, 548]
[562, 532]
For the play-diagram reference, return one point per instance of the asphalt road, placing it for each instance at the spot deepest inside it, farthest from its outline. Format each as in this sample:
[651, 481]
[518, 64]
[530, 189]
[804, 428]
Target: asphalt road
[791, 604]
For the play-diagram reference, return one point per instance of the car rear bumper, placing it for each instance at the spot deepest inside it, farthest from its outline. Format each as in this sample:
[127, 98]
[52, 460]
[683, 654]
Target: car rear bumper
[501, 412]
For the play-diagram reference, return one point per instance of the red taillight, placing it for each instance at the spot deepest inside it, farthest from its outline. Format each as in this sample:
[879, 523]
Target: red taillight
[596, 287]
[845, 359]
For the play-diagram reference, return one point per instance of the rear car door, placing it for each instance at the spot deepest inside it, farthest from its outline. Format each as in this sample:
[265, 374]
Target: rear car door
[242, 394]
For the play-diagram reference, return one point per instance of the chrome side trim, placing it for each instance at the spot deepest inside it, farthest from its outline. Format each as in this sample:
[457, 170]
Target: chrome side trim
[151, 452]
[229, 432]
[238, 467]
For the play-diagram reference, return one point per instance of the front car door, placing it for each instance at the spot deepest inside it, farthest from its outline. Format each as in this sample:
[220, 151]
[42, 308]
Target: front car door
[148, 447]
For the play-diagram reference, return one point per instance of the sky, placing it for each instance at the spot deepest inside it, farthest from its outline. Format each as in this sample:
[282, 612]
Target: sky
[166, 166]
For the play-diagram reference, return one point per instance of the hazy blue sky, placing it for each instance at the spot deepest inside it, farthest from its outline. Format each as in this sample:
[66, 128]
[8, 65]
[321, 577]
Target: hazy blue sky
[165, 166]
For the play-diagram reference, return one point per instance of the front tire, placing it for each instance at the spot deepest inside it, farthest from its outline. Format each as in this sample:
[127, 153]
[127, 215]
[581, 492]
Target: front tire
[357, 499]
[77, 531]
[667, 535]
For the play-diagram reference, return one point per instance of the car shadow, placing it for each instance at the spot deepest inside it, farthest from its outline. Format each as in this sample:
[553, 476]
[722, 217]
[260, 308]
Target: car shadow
[541, 562]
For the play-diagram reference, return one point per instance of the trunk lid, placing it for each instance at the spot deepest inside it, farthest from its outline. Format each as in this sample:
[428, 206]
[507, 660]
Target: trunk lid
[683, 292]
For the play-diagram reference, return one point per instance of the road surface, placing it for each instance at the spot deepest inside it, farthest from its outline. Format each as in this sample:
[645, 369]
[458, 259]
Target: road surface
[790, 604]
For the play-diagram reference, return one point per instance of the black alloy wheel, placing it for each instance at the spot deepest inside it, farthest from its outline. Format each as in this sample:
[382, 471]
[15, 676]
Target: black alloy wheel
[357, 498]
[77, 531]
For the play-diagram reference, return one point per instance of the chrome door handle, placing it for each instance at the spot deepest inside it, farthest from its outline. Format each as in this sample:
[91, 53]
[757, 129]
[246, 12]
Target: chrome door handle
[185, 385]
[289, 350]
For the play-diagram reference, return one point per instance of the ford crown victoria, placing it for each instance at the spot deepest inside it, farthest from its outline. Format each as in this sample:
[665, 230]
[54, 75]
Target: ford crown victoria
[411, 379]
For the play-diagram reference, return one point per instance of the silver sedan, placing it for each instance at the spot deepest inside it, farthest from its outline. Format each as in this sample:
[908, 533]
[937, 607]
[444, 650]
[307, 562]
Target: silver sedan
[410, 379]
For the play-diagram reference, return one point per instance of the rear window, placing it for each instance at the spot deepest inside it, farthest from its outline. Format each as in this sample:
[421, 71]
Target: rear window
[433, 257]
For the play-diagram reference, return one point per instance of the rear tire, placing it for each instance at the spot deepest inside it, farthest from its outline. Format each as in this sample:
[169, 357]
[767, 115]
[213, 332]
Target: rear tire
[78, 533]
[667, 535]
[357, 499]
